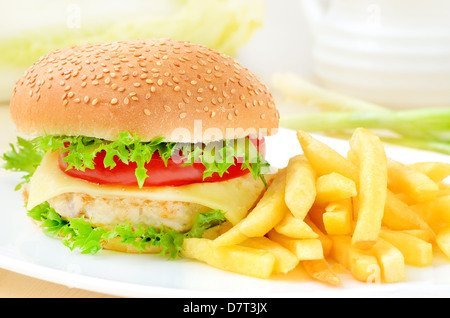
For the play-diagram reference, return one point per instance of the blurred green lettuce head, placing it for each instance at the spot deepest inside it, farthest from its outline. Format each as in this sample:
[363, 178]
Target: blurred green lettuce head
[224, 25]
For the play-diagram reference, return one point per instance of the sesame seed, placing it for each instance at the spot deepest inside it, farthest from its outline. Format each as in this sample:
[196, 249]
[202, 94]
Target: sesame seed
[263, 116]
[176, 88]
[67, 88]
[160, 82]
[213, 114]
[167, 108]
[230, 117]
[126, 101]
[137, 84]
[86, 99]
[83, 84]
[70, 94]
[182, 115]
[65, 102]
[200, 99]
[94, 101]
[77, 100]
[147, 112]
[114, 101]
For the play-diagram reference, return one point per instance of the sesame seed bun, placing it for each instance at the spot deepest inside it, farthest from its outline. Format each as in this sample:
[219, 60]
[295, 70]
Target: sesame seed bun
[148, 87]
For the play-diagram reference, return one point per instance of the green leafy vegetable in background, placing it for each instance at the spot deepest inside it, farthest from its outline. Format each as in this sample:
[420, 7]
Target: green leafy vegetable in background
[339, 115]
[77, 233]
[219, 24]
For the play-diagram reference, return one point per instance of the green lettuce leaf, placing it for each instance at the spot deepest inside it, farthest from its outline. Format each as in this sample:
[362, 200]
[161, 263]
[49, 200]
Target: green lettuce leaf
[80, 152]
[23, 157]
[78, 234]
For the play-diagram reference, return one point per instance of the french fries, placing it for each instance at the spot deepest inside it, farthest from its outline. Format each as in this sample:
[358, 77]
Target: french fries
[334, 187]
[234, 258]
[300, 192]
[337, 219]
[365, 212]
[267, 213]
[416, 251]
[413, 183]
[372, 183]
[391, 260]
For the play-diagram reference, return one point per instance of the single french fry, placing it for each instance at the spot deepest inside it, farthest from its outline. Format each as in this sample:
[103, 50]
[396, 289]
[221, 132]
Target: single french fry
[334, 187]
[300, 191]
[361, 263]
[267, 213]
[416, 251]
[324, 159]
[295, 228]
[434, 212]
[443, 240]
[425, 235]
[340, 249]
[304, 249]
[403, 179]
[399, 216]
[321, 270]
[285, 260]
[436, 171]
[337, 218]
[391, 261]
[234, 258]
[372, 163]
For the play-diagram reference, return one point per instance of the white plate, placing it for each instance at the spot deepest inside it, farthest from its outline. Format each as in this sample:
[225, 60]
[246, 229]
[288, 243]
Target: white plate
[24, 249]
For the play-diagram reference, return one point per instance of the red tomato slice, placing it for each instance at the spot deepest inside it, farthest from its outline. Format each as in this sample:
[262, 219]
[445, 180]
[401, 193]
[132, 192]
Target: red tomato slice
[174, 174]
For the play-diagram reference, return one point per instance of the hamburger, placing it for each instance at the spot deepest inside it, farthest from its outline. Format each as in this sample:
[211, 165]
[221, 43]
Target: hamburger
[134, 145]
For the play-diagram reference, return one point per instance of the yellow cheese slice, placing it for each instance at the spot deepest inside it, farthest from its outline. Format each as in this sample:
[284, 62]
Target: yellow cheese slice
[234, 197]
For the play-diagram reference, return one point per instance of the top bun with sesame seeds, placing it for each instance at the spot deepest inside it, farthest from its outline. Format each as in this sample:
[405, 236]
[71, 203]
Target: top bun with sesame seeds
[148, 87]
